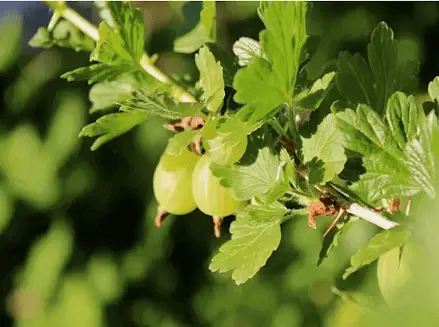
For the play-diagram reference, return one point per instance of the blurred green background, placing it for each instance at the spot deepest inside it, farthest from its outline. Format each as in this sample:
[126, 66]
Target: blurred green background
[78, 246]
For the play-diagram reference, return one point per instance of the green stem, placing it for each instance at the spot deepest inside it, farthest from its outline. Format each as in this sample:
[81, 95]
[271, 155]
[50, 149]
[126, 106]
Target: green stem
[53, 21]
[80, 22]
[89, 29]
[277, 127]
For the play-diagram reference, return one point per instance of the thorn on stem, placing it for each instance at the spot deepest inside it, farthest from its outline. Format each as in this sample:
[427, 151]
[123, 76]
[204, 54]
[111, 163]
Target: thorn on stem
[217, 225]
[340, 214]
[409, 208]
[161, 215]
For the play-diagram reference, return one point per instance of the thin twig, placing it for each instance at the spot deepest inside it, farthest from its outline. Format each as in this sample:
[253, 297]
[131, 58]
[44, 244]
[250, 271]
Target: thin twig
[89, 29]
[371, 216]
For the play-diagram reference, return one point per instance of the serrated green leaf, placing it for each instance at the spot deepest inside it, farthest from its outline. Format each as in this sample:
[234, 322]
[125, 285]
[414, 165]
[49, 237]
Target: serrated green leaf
[282, 42]
[378, 245]
[256, 90]
[211, 79]
[98, 73]
[161, 105]
[311, 99]
[263, 212]
[374, 82]
[382, 53]
[64, 35]
[402, 116]
[106, 95]
[110, 48]
[124, 43]
[420, 158]
[266, 84]
[11, 25]
[180, 141]
[391, 171]
[255, 235]
[354, 79]
[277, 192]
[227, 62]
[327, 145]
[249, 181]
[113, 125]
[246, 49]
[203, 32]
[386, 175]
[129, 25]
[316, 168]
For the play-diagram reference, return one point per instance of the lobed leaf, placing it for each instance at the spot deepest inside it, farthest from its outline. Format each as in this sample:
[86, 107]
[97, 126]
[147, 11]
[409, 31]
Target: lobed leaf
[283, 39]
[402, 116]
[203, 32]
[382, 54]
[374, 82]
[113, 125]
[161, 105]
[211, 79]
[252, 180]
[97, 73]
[327, 145]
[397, 156]
[124, 43]
[354, 79]
[105, 95]
[129, 24]
[267, 84]
[255, 235]
[378, 245]
[255, 88]
[227, 62]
